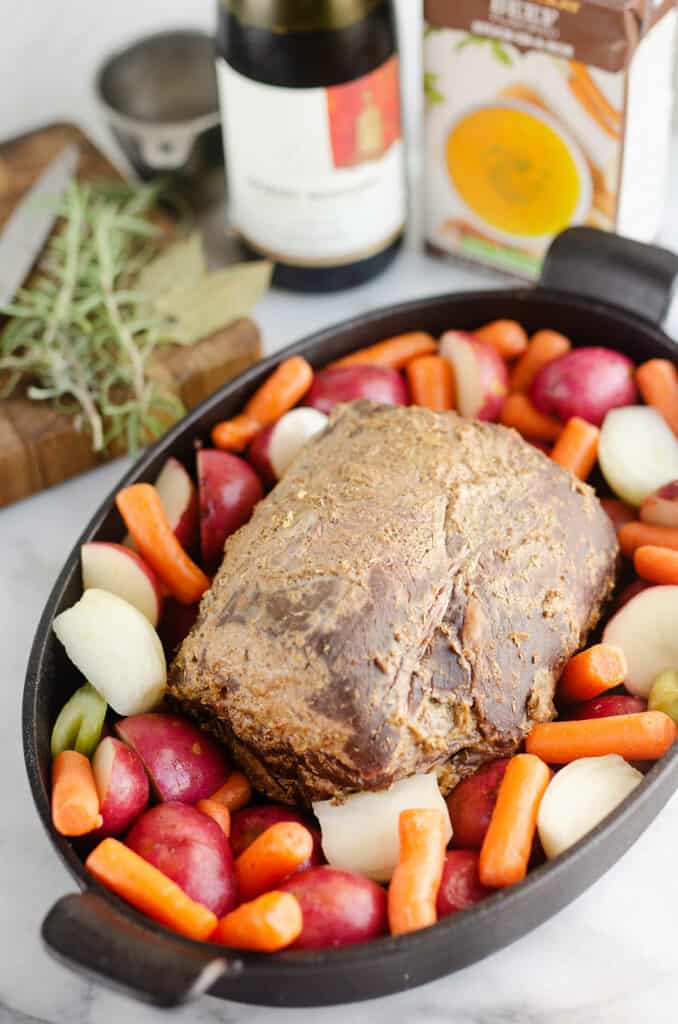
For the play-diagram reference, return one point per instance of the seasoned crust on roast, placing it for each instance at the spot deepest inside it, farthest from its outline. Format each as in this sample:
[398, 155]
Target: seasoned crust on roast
[403, 600]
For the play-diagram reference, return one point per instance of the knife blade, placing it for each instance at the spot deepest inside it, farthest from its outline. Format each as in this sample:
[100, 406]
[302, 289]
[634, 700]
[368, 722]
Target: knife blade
[27, 229]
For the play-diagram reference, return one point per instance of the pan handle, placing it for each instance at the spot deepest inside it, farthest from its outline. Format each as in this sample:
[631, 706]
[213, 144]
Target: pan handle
[87, 933]
[600, 265]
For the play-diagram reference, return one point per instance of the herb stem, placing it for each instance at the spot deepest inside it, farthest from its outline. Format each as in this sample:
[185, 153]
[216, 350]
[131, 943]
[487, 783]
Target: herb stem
[107, 284]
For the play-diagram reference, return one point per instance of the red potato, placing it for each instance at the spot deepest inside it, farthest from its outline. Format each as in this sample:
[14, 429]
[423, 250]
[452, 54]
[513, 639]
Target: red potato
[183, 763]
[248, 823]
[340, 908]
[180, 501]
[176, 623]
[229, 489]
[586, 382]
[347, 383]
[608, 706]
[480, 374]
[191, 849]
[274, 448]
[291, 433]
[460, 886]
[661, 508]
[258, 455]
[471, 804]
[119, 570]
[122, 785]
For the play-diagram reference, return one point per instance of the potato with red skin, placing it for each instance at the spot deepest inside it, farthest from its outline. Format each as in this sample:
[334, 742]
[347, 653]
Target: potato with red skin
[248, 823]
[228, 490]
[180, 501]
[460, 886]
[121, 571]
[480, 374]
[191, 849]
[471, 803]
[122, 785]
[348, 383]
[340, 908]
[183, 763]
[586, 382]
[258, 455]
[609, 705]
[661, 508]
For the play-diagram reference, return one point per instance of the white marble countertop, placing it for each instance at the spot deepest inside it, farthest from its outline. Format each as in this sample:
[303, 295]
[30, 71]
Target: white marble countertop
[612, 956]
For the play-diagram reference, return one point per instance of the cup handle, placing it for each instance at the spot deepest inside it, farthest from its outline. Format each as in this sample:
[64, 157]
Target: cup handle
[603, 266]
[165, 153]
[88, 933]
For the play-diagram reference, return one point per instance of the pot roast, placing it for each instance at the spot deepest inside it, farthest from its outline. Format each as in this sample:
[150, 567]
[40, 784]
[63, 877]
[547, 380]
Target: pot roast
[403, 600]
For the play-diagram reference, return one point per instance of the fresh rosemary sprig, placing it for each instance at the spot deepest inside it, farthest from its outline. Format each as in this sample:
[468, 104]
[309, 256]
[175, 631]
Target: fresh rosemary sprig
[81, 335]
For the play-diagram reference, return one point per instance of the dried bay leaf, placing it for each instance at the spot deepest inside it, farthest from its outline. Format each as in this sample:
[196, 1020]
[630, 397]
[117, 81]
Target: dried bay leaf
[182, 261]
[216, 300]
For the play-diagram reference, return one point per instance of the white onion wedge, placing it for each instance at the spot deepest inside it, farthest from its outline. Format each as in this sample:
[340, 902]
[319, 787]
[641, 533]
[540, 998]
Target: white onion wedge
[637, 451]
[579, 796]
[361, 834]
[116, 649]
[646, 629]
[291, 433]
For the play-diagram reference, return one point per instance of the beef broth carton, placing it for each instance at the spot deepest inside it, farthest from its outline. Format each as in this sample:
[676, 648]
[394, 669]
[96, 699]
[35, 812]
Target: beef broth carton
[542, 114]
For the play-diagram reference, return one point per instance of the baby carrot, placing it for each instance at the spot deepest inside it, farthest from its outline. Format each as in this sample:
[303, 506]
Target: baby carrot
[619, 512]
[75, 801]
[644, 736]
[543, 348]
[273, 855]
[234, 435]
[277, 395]
[658, 565]
[218, 812]
[591, 672]
[267, 924]
[507, 337]
[135, 880]
[431, 381]
[577, 447]
[657, 380]
[235, 792]
[414, 886]
[394, 352]
[519, 413]
[635, 535]
[145, 518]
[507, 845]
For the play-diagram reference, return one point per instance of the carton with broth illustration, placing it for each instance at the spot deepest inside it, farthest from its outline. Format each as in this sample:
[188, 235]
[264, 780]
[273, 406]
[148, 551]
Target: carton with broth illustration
[541, 114]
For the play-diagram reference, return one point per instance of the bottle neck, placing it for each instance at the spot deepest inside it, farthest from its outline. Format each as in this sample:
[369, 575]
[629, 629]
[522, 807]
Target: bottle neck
[283, 16]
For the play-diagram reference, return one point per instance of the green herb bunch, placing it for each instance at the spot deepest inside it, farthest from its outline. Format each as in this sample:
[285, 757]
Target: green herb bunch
[81, 335]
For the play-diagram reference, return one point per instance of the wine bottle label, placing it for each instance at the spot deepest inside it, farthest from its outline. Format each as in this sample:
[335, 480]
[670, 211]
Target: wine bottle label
[315, 176]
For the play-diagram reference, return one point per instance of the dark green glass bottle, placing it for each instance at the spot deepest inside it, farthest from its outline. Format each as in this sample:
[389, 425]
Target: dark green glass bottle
[315, 158]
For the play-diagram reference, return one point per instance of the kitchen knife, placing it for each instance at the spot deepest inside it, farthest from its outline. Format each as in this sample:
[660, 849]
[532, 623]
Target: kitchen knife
[27, 229]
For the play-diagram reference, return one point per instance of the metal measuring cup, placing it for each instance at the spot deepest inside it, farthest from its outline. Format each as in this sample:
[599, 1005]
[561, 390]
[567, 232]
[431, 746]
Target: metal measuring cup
[161, 101]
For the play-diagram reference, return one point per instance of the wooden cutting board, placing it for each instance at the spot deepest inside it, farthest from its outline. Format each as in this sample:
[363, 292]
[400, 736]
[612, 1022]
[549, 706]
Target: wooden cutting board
[40, 447]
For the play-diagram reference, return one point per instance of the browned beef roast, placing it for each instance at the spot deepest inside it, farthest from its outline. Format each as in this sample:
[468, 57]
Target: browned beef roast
[404, 598]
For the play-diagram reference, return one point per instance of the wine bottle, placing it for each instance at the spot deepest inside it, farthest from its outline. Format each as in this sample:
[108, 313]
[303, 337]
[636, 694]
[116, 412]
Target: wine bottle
[310, 105]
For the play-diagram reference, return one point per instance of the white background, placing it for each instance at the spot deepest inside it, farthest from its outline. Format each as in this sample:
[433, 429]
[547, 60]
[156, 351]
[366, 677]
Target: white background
[609, 958]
